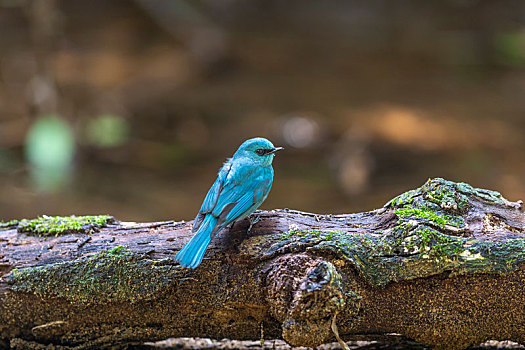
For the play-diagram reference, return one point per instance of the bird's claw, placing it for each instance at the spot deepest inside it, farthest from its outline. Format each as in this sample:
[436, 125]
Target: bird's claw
[253, 221]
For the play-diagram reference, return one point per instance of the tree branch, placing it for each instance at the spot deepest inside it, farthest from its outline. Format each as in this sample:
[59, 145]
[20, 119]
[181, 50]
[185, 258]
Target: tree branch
[442, 264]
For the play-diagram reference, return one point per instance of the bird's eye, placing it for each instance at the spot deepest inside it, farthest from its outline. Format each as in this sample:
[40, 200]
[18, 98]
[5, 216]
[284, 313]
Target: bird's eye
[260, 151]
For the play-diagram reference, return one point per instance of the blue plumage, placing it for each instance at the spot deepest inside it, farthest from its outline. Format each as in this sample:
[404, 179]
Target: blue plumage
[242, 184]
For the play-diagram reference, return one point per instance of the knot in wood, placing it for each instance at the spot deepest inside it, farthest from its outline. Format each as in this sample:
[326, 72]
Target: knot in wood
[304, 293]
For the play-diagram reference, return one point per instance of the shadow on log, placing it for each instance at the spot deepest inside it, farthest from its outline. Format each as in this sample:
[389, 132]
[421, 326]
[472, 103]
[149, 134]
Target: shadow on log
[442, 265]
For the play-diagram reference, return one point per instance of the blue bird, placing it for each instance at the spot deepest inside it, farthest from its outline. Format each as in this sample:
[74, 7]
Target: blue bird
[242, 184]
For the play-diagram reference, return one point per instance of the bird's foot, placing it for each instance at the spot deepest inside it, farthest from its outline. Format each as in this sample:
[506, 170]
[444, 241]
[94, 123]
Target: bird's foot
[253, 221]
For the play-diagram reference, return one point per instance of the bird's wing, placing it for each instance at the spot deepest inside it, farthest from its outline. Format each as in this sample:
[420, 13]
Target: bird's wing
[242, 197]
[212, 197]
[250, 201]
[239, 181]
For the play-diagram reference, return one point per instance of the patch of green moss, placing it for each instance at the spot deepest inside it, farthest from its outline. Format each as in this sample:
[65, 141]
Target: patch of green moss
[421, 251]
[438, 202]
[323, 235]
[403, 199]
[438, 245]
[118, 250]
[8, 224]
[448, 195]
[113, 275]
[408, 239]
[330, 240]
[58, 225]
[487, 195]
[428, 215]
[445, 194]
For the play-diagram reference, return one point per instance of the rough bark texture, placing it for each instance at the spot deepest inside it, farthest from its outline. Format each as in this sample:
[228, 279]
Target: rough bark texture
[442, 264]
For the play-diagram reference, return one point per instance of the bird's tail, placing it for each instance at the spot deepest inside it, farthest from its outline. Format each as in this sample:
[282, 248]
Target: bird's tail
[192, 253]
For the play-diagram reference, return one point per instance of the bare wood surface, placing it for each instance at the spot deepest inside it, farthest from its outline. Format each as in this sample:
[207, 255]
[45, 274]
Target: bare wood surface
[442, 264]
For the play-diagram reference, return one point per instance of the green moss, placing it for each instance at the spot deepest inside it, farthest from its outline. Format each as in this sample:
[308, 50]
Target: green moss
[438, 245]
[438, 202]
[118, 250]
[8, 224]
[403, 199]
[58, 225]
[113, 275]
[312, 234]
[330, 240]
[430, 216]
[445, 194]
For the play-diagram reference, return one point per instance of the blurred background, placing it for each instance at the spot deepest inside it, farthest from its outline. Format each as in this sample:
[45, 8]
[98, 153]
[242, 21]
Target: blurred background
[130, 107]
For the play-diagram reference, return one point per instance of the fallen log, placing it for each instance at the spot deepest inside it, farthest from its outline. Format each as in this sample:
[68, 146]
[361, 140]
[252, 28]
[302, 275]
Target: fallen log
[442, 265]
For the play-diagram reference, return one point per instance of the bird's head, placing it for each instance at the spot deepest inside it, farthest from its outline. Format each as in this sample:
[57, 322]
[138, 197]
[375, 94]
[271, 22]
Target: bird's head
[258, 149]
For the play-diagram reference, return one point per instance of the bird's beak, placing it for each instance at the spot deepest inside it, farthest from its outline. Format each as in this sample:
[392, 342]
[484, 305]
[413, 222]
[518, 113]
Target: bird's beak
[276, 149]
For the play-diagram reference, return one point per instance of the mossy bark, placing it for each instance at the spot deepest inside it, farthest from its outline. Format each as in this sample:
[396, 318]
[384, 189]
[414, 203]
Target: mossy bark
[442, 265]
